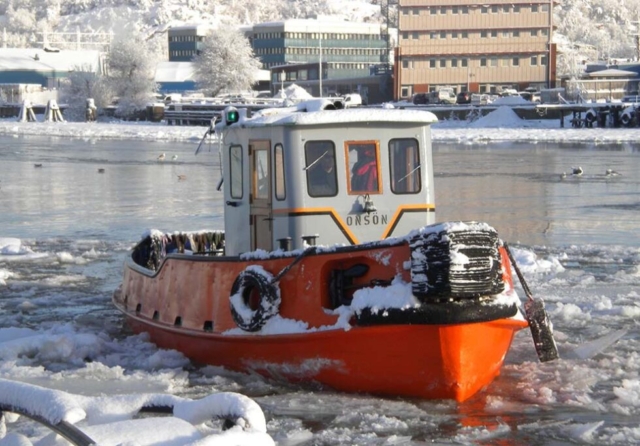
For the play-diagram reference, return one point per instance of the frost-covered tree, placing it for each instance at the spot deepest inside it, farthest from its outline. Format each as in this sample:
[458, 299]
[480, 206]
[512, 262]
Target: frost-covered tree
[81, 85]
[131, 72]
[226, 62]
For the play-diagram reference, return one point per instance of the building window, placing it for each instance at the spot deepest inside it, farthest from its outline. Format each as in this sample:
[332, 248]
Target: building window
[534, 33]
[505, 9]
[544, 8]
[443, 10]
[415, 11]
[494, 61]
[545, 32]
[405, 11]
[494, 9]
[416, 36]
[483, 61]
[443, 34]
[432, 63]
[465, 9]
[516, 9]
[405, 35]
[405, 92]
[433, 35]
[505, 34]
[454, 10]
[454, 63]
[433, 11]
[443, 63]
[516, 34]
[483, 34]
[515, 61]
[454, 35]
[534, 61]
[543, 60]
[534, 8]
[494, 33]
[484, 10]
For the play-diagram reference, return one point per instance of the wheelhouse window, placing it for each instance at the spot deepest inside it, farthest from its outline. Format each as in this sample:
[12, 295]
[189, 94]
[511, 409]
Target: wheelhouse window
[279, 172]
[320, 165]
[405, 167]
[235, 171]
[261, 174]
[364, 167]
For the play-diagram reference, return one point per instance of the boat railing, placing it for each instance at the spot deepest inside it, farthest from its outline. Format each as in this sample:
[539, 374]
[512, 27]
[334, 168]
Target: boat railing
[156, 246]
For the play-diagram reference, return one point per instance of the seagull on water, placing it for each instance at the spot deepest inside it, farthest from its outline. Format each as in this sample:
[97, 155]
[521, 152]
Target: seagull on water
[37, 165]
[612, 173]
[563, 175]
[577, 171]
[161, 157]
[174, 157]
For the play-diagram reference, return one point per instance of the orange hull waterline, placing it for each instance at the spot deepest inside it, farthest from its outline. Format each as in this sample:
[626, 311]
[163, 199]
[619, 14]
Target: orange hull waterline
[365, 293]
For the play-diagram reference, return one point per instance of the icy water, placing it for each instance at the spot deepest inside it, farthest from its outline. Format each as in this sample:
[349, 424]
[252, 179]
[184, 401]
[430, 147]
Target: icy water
[576, 236]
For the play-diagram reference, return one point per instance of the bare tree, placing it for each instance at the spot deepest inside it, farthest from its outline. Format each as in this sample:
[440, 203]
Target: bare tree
[226, 63]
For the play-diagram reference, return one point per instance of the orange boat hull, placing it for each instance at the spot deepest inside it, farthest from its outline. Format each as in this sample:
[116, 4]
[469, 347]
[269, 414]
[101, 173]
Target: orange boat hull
[438, 348]
[423, 361]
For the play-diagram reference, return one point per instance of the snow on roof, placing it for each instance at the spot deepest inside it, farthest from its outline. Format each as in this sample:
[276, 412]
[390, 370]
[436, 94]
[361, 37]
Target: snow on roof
[613, 72]
[324, 26]
[33, 59]
[174, 71]
[313, 112]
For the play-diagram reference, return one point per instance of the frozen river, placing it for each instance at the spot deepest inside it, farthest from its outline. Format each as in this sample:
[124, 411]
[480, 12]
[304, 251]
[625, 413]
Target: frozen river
[578, 238]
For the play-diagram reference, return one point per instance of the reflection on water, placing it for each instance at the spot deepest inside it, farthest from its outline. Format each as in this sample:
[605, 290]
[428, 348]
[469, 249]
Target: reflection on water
[70, 195]
[520, 190]
[517, 188]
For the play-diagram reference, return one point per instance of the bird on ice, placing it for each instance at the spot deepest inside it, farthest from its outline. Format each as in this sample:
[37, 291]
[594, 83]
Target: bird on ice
[161, 157]
[174, 157]
[182, 177]
[612, 173]
[577, 171]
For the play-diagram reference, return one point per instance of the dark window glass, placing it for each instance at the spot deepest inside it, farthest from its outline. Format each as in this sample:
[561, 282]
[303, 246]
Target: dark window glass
[320, 160]
[404, 163]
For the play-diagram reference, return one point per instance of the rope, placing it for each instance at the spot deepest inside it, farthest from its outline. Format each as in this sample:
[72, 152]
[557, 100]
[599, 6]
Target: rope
[285, 270]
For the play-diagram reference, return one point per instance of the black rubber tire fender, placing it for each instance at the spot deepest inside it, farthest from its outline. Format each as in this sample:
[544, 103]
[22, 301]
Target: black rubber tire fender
[254, 299]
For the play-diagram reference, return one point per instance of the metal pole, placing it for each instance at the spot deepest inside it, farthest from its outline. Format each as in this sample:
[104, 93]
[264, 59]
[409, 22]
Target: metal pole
[320, 69]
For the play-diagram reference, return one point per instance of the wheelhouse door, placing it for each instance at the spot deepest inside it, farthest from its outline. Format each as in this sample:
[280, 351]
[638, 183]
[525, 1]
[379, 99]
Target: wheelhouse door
[261, 213]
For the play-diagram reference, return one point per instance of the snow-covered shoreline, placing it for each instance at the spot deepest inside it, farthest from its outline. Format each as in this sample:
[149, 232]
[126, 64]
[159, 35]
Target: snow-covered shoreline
[497, 126]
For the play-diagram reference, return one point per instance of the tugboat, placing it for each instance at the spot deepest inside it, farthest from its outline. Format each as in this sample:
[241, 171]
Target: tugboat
[331, 268]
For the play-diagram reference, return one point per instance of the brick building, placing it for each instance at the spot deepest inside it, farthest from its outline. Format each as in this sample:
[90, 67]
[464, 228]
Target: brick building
[474, 46]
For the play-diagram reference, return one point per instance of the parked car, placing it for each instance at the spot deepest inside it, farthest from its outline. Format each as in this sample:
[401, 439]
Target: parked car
[420, 98]
[464, 97]
[442, 96]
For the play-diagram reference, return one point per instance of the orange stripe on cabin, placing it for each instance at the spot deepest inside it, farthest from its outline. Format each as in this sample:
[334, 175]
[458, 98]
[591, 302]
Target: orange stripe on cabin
[294, 212]
[401, 210]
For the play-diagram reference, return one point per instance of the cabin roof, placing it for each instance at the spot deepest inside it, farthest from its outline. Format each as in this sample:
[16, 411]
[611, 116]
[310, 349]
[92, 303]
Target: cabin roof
[310, 113]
